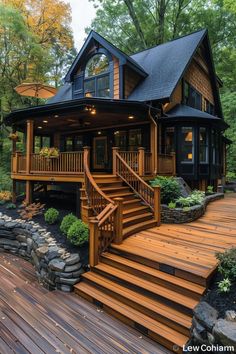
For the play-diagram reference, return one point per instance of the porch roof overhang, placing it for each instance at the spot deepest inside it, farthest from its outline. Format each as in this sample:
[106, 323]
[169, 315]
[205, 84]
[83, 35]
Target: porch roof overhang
[76, 114]
[183, 113]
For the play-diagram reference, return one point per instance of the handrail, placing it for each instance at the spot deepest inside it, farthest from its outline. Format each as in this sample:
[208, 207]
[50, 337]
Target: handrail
[135, 182]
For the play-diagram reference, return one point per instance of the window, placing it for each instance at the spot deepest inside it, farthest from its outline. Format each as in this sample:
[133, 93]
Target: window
[120, 138]
[192, 97]
[187, 139]
[135, 139]
[169, 140]
[97, 77]
[40, 142]
[73, 143]
[203, 145]
[69, 144]
[208, 107]
[214, 144]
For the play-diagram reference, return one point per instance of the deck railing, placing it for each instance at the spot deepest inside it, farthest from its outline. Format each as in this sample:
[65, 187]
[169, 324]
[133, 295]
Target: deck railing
[166, 164]
[140, 161]
[149, 195]
[106, 226]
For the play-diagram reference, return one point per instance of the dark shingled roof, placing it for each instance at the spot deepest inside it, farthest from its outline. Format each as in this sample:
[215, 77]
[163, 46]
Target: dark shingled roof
[63, 94]
[165, 65]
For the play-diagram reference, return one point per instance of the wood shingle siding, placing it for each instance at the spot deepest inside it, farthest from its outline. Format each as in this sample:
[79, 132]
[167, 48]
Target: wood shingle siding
[116, 78]
[131, 81]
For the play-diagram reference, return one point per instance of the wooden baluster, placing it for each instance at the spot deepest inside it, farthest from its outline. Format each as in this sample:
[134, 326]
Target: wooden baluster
[141, 157]
[93, 242]
[118, 221]
[114, 164]
[157, 204]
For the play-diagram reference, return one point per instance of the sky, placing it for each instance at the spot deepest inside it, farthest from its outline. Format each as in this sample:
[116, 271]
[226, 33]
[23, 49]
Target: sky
[82, 15]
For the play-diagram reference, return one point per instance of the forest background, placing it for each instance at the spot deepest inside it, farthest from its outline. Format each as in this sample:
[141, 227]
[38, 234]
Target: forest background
[36, 45]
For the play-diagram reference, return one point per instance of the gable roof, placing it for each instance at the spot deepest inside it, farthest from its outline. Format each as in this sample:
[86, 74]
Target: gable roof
[94, 36]
[165, 64]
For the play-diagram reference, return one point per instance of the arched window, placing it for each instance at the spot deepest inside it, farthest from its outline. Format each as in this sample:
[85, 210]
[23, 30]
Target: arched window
[97, 76]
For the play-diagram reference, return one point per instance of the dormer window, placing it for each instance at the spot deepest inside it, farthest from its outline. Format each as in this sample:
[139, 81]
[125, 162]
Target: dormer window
[97, 76]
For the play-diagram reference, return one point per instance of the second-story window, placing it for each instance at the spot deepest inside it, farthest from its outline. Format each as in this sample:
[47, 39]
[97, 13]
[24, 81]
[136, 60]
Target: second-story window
[97, 77]
[192, 97]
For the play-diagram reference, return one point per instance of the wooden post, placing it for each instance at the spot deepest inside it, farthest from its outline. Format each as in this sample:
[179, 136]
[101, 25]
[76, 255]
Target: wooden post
[29, 144]
[157, 204]
[14, 191]
[28, 192]
[115, 149]
[87, 148]
[118, 221]
[141, 161]
[174, 163]
[154, 147]
[56, 140]
[93, 242]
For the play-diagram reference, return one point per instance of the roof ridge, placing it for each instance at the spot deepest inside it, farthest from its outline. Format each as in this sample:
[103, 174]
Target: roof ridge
[172, 40]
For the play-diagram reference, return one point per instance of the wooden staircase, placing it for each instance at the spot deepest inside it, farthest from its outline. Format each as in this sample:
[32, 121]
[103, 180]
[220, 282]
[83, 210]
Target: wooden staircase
[158, 304]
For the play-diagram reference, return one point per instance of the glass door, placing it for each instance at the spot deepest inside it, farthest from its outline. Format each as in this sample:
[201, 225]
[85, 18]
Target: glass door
[100, 160]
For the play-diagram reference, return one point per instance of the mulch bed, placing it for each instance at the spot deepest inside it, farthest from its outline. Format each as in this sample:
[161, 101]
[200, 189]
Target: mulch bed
[64, 205]
[221, 302]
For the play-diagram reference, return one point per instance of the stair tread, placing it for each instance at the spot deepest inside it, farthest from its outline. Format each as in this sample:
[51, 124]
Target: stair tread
[153, 288]
[133, 210]
[156, 273]
[140, 216]
[121, 194]
[131, 228]
[153, 325]
[108, 189]
[131, 201]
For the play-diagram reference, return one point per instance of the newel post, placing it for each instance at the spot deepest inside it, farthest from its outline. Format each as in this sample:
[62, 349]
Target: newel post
[118, 221]
[115, 149]
[87, 149]
[141, 161]
[174, 162]
[157, 204]
[93, 242]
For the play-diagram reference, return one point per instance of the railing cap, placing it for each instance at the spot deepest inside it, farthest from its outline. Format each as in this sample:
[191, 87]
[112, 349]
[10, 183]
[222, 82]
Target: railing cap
[141, 148]
[86, 147]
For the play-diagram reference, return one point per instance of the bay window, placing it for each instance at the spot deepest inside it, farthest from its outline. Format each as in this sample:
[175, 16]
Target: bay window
[187, 139]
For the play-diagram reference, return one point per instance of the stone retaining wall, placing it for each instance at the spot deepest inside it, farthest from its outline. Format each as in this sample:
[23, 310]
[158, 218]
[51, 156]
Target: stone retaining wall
[55, 267]
[179, 216]
[210, 331]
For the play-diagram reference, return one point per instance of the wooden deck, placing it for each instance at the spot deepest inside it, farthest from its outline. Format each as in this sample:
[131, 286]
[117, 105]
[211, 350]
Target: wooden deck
[189, 249]
[34, 320]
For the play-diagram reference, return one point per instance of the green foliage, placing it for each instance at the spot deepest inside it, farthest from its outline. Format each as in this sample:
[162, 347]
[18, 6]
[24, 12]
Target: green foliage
[227, 266]
[170, 189]
[195, 198]
[78, 233]
[2, 202]
[186, 208]
[231, 176]
[224, 285]
[172, 205]
[51, 216]
[66, 223]
[11, 206]
[210, 189]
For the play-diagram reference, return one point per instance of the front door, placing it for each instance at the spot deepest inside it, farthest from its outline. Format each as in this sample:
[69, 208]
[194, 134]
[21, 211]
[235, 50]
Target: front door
[100, 160]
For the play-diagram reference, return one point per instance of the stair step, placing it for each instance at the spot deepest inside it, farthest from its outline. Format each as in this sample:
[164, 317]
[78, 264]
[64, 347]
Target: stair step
[132, 220]
[135, 211]
[154, 329]
[121, 195]
[146, 287]
[114, 189]
[131, 230]
[174, 266]
[156, 276]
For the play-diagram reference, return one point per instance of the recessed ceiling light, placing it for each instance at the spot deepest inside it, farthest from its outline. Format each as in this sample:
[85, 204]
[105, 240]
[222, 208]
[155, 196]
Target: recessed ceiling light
[56, 116]
[45, 121]
[116, 132]
[93, 111]
[40, 127]
[131, 117]
[99, 133]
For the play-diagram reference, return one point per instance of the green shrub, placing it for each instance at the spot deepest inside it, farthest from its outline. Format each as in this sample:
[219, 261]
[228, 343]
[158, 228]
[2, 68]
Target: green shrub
[78, 233]
[11, 206]
[195, 198]
[210, 189]
[66, 223]
[224, 285]
[172, 205]
[51, 216]
[170, 189]
[2, 202]
[227, 266]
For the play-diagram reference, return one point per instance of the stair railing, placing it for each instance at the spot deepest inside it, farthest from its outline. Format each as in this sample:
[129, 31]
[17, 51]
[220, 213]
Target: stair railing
[149, 195]
[106, 225]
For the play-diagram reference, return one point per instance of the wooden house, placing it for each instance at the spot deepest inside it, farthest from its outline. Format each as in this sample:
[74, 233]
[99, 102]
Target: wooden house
[117, 121]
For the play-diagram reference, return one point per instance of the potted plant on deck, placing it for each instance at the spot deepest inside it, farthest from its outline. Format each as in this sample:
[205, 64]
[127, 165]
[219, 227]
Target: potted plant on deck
[14, 137]
[49, 153]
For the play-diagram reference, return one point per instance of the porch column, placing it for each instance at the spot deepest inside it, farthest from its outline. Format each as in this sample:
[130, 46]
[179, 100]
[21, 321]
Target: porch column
[29, 144]
[154, 146]
[114, 151]
[28, 192]
[141, 161]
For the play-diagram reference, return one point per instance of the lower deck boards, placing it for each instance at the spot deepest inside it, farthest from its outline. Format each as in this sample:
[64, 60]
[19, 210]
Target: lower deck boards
[34, 320]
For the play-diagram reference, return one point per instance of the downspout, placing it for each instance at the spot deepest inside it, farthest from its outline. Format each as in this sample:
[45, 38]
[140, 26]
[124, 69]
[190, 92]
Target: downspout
[155, 144]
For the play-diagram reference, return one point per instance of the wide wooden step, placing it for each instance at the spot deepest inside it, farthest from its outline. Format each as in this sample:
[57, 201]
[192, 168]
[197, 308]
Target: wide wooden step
[139, 226]
[140, 285]
[132, 220]
[113, 189]
[172, 282]
[132, 203]
[135, 211]
[125, 195]
[156, 330]
[165, 263]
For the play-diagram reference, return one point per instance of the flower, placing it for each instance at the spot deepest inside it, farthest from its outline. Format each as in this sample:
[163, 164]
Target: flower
[49, 152]
[13, 136]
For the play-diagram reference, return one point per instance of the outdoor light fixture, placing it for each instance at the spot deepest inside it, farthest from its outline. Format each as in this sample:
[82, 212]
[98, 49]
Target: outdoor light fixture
[116, 132]
[99, 133]
[131, 117]
[45, 121]
[56, 116]
[40, 127]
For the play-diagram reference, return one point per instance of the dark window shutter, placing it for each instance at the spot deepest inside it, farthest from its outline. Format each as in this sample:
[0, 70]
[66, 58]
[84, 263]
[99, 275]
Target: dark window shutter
[78, 89]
